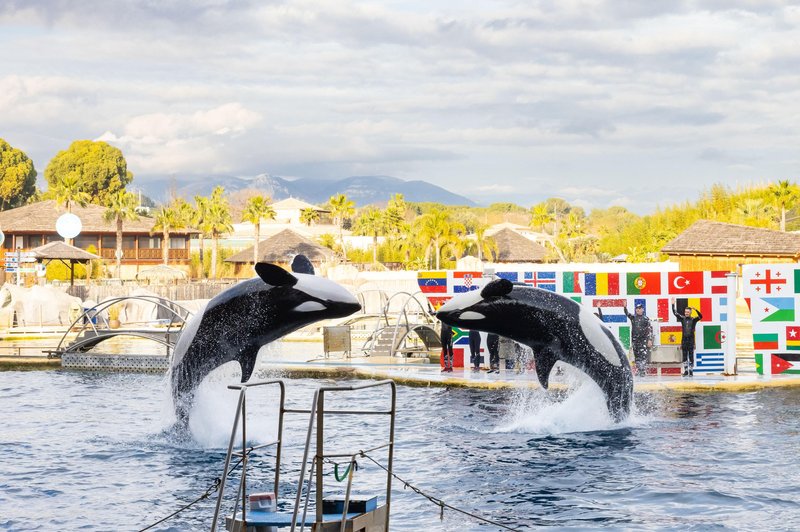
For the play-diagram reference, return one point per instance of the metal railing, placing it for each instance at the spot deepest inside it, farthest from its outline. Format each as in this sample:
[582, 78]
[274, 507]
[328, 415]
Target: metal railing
[241, 413]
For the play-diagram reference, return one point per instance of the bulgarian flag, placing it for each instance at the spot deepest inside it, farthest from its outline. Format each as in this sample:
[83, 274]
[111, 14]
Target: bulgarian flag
[766, 342]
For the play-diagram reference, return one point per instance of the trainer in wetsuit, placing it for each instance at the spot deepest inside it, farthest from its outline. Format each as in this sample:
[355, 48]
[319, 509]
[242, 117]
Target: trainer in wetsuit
[475, 349]
[641, 338]
[688, 324]
[493, 344]
[447, 347]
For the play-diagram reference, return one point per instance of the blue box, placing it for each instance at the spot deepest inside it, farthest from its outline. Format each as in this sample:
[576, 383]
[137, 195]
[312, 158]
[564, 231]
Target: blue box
[335, 504]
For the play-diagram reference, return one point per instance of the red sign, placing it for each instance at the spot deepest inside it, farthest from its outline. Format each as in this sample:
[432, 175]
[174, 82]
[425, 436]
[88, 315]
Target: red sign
[685, 282]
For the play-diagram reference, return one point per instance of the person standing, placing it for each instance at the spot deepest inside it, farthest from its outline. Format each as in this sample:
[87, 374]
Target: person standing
[447, 347]
[493, 343]
[688, 324]
[475, 349]
[641, 338]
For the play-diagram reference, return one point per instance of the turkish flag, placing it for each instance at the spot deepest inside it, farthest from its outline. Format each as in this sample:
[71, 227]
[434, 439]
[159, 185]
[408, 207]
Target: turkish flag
[685, 282]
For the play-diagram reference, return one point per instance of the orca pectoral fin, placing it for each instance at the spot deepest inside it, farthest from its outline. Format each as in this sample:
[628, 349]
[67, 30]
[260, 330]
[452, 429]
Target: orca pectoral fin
[545, 359]
[248, 364]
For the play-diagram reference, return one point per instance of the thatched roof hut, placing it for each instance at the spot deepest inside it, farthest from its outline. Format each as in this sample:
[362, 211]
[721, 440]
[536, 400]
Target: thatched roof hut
[708, 245]
[62, 251]
[281, 248]
[513, 247]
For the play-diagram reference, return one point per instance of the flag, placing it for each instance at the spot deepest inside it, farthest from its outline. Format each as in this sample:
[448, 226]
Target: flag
[773, 309]
[792, 338]
[625, 336]
[460, 336]
[663, 309]
[765, 342]
[712, 337]
[510, 276]
[612, 310]
[601, 284]
[644, 283]
[432, 282]
[571, 283]
[671, 335]
[781, 363]
[768, 281]
[685, 282]
[722, 309]
[466, 281]
[544, 280]
[577, 299]
[719, 282]
[797, 281]
[437, 301]
[709, 362]
[703, 304]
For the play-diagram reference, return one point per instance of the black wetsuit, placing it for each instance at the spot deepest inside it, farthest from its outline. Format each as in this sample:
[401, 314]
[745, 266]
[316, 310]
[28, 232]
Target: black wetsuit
[447, 346]
[475, 348]
[493, 343]
[687, 341]
[641, 334]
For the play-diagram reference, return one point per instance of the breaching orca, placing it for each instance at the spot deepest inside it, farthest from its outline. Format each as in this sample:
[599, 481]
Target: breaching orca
[237, 322]
[555, 328]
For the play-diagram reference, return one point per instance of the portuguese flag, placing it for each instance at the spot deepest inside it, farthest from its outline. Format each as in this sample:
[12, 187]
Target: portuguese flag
[647, 283]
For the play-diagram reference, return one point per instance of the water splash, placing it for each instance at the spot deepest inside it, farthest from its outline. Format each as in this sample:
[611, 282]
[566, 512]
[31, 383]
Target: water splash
[574, 404]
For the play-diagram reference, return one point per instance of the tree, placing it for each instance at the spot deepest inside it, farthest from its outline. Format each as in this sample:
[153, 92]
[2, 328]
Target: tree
[485, 246]
[67, 190]
[541, 217]
[100, 168]
[168, 218]
[258, 207]
[438, 230]
[199, 221]
[17, 177]
[785, 195]
[121, 206]
[341, 208]
[309, 216]
[218, 221]
[371, 223]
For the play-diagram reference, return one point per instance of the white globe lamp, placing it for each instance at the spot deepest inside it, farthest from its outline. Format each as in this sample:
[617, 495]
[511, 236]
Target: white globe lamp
[68, 226]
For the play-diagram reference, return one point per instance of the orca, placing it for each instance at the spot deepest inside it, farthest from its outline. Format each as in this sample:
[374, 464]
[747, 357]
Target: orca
[240, 320]
[555, 328]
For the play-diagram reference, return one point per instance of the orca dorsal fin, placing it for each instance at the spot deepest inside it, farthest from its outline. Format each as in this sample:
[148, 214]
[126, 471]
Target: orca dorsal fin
[274, 275]
[301, 264]
[498, 287]
[545, 359]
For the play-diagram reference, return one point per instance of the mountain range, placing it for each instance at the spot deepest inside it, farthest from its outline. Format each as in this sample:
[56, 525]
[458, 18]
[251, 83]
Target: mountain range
[363, 190]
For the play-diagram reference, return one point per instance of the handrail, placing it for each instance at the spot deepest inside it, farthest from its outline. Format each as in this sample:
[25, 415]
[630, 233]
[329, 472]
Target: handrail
[411, 297]
[95, 311]
[241, 412]
[317, 411]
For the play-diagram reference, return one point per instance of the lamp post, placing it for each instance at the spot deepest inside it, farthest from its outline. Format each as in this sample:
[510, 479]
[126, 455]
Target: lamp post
[68, 226]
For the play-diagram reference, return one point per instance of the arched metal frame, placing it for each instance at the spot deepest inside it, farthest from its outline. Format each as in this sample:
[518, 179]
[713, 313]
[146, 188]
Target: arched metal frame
[177, 311]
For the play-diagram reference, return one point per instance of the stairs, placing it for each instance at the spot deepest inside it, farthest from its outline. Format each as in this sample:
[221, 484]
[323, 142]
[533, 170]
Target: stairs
[383, 346]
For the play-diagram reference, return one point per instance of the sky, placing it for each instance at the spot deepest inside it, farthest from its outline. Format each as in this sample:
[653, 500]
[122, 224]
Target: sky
[632, 103]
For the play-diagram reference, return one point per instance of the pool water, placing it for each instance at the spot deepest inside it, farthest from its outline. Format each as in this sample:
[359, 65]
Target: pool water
[95, 451]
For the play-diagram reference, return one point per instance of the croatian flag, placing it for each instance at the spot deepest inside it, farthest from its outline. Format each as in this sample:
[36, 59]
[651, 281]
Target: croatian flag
[466, 281]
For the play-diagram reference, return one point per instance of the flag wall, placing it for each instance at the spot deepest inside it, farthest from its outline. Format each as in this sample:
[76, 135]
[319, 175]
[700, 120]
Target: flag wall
[772, 292]
[608, 293]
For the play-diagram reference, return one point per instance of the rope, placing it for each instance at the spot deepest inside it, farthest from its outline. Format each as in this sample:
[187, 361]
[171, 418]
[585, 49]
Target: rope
[211, 489]
[440, 503]
[343, 476]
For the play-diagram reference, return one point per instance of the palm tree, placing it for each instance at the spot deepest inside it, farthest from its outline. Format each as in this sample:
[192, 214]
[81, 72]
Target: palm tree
[541, 217]
[258, 207]
[341, 208]
[438, 230]
[121, 206]
[68, 189]
[485, 245]
[785, 194]
[218, 221]
[309, 216]
[169, 218]
[371, 223]
[198, 221]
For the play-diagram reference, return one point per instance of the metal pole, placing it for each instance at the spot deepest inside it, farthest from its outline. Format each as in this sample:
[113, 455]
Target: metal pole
[320, 453]
[730, 326]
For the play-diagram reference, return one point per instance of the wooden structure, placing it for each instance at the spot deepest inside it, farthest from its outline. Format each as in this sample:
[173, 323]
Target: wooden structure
[281, 249]
[34, 225]
[65, 253]
[513, 247]
[707, 245]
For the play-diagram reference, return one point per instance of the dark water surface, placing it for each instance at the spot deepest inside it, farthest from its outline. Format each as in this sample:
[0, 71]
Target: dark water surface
[93, 451]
